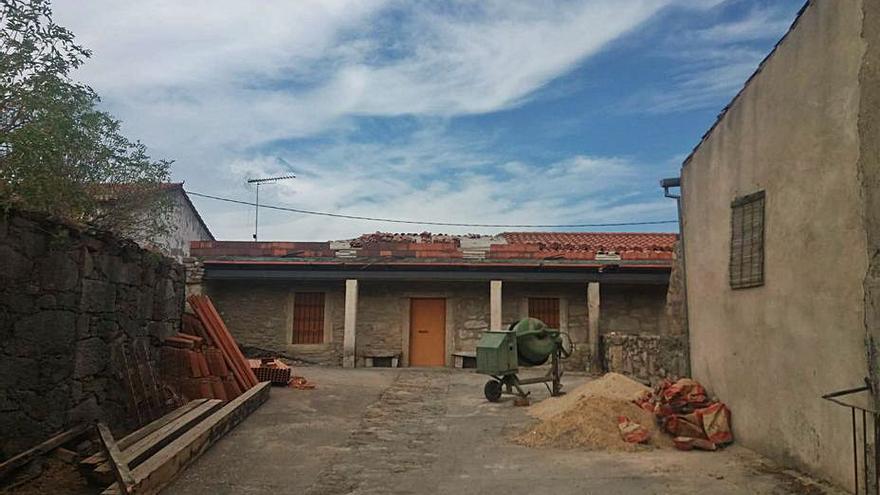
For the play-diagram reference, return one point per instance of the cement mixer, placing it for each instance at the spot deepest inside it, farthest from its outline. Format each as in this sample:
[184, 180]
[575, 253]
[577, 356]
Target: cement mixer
[528, 342]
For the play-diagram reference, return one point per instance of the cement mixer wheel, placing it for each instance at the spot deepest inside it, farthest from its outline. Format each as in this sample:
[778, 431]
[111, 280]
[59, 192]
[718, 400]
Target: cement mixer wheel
[492, 390]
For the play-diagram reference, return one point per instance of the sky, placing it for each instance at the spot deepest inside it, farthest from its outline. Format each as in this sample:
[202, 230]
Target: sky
[494, 111]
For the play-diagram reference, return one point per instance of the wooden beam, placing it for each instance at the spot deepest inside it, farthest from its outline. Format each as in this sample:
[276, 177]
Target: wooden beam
[56, 441]
[124, 479]
[155, 441]
[159, 470]
[133, 437]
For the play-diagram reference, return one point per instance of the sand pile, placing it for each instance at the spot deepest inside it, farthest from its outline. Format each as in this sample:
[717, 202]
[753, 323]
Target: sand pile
[610, 386]
[587, 417]
[592, 424]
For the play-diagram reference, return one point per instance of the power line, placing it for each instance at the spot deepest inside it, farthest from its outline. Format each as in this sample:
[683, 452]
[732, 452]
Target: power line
[445, 224]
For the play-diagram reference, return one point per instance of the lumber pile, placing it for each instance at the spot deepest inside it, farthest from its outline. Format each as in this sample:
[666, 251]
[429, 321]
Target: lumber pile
[203, 361]
[54, 443]
[148, 459]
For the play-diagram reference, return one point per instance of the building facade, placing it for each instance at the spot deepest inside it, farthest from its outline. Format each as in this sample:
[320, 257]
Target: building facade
[424, 300]
[781, 209]
[186, 226]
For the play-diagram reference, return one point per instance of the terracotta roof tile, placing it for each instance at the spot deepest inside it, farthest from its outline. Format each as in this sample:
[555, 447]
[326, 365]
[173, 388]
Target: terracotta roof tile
[581, 247]
[595, 241]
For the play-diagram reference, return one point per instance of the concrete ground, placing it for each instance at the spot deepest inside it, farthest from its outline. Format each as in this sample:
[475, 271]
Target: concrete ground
[410, 431]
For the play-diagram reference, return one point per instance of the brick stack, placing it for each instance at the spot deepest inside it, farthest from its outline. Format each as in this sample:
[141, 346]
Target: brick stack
[231, 363]
[191, 367]
[186, 367]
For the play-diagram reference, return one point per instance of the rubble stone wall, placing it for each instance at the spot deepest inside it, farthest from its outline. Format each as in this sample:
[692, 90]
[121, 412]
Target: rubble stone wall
[74, 306]
[649, 358]
[259, 316]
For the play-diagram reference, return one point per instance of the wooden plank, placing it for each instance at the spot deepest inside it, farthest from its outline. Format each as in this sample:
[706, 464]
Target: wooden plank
[155, 441]
[133, 437]
[204, 315]
[159, 470]
[124, 478]
[227, 336]
[56, 441]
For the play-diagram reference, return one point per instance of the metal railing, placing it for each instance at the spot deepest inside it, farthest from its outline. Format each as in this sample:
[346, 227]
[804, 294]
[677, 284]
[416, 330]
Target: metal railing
[871, 479]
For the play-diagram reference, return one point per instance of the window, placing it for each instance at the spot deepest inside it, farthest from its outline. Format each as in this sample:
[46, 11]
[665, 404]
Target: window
[545, 309]
[308, 318]
[747, 241]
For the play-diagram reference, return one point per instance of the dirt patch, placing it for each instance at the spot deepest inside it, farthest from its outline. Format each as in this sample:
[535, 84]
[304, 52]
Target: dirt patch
[610, 386]
[592, 425]
[54, 476]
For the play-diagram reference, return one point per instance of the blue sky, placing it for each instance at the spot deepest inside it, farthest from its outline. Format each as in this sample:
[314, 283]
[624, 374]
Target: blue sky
[544, 112]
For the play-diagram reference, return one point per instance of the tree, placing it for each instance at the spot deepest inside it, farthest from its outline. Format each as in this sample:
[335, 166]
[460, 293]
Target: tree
[58, 152]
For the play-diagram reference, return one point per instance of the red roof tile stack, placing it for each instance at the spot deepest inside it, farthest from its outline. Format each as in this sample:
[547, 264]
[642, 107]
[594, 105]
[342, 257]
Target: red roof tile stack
[571, 246]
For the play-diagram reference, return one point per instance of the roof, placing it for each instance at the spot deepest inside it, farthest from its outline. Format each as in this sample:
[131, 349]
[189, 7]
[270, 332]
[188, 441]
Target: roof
[511, 249]
[757, 71]
[108, 191]
[596, 241]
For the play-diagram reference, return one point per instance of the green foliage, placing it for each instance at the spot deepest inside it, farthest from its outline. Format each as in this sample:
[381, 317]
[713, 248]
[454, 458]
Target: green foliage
[58, 152]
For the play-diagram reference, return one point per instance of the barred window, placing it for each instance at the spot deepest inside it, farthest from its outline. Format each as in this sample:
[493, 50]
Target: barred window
[747, 241]
[545, 309]
[308, 318]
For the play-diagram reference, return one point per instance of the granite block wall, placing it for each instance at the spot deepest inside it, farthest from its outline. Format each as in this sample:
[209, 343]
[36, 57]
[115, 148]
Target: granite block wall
[74, 303]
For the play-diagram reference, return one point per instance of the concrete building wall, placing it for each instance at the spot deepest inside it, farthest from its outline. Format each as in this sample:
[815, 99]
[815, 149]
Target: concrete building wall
[869, 172]
[770, 352]
[185, 227]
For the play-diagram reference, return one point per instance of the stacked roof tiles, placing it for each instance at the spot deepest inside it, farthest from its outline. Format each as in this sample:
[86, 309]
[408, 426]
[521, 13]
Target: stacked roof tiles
[428, 247]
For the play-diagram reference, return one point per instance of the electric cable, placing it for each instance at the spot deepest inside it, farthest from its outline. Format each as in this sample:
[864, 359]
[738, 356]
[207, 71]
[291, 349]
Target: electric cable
[418, 222]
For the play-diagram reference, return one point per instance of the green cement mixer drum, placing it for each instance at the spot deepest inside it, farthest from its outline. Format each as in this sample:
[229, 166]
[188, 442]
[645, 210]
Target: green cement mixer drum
[528, 342]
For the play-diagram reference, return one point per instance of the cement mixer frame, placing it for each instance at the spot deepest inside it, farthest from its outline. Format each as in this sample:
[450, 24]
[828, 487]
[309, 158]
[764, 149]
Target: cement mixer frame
[499, 355]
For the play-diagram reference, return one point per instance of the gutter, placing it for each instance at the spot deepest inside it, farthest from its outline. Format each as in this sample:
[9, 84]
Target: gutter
[363, 266]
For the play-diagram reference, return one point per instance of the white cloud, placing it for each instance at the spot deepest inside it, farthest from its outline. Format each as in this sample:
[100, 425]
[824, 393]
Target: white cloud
[210, 82]
[714, 62]
[229, 73]
[581, 189]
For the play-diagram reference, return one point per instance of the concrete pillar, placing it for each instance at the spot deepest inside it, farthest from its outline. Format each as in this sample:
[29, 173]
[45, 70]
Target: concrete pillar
[495, 305]
[593, 326]
[348, 339]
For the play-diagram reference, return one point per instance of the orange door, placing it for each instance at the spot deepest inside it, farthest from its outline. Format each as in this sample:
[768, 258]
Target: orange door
[427, 332]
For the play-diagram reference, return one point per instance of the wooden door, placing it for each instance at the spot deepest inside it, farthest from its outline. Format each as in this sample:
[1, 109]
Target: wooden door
[427, 332]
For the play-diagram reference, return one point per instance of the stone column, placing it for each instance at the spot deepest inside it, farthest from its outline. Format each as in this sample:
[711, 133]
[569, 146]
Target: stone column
[593, 326]
[348, 340]
[495, 305]
[195, 272]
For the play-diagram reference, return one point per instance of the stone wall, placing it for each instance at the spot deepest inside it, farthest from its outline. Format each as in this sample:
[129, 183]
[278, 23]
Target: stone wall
[258, 313]
[676, 297]
[649, 358]
[259, 316]
[71, 301]
[633, 309]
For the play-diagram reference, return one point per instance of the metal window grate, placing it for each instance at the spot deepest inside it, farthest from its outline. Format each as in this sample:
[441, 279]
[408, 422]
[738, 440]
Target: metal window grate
[545, 309]
[747, 241]
[308, 318]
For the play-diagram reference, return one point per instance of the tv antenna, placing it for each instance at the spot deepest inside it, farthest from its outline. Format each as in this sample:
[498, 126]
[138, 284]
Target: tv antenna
[258, 182]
